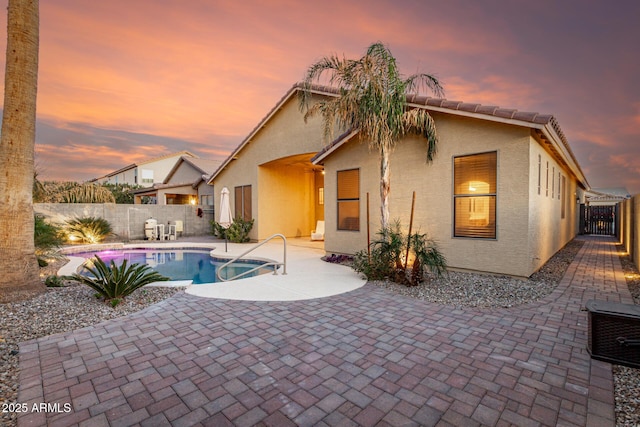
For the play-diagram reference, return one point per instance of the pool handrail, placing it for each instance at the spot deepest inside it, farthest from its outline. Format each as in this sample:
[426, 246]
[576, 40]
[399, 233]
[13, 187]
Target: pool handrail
[275, 264]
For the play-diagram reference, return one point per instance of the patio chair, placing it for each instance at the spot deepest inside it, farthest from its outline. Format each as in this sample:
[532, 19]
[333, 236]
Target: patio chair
[318, 233]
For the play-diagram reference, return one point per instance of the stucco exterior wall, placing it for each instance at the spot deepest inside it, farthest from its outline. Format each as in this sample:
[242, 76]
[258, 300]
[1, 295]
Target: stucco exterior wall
[285, 134]
[285, 201]
[355, 155]
[548, 231]
[184, 173]
[125, 177]
[510, 253]
[162, 193]
[161, 168]
[205, 189]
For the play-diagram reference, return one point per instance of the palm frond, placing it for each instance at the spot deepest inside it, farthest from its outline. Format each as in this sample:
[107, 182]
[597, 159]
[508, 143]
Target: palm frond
[372, 101]
[113, 281]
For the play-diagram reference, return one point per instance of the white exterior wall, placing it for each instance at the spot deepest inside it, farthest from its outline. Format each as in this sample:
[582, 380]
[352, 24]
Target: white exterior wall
[133, 176]
[161, 169]
[124, 177]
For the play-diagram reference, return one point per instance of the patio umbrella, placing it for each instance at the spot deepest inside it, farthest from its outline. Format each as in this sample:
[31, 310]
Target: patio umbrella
[226, 218]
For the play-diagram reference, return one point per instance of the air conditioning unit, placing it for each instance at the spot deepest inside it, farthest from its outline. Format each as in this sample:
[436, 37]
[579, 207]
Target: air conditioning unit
[614, 332]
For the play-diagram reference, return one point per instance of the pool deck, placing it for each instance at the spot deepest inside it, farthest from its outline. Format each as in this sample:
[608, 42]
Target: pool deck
[361, 358]
[307, 276]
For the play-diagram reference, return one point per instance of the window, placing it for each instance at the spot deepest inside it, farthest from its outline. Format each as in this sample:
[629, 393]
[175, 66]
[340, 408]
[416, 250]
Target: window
[564, 198]
[474, 194]
[349, 200]
[243, 202]
[206, 199]
[539, 172]
[547, 184]
[147, 176]
[553, 183]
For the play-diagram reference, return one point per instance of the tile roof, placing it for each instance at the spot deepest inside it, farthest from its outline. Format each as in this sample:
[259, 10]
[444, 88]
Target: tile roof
[545, 124]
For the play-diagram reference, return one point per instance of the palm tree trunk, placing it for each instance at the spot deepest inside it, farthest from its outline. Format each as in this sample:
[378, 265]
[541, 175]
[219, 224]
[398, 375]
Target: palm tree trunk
[385, 186]
[18, 264]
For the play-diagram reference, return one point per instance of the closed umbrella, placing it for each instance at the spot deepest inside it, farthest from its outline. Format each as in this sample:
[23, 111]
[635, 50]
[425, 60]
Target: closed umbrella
[226, 218]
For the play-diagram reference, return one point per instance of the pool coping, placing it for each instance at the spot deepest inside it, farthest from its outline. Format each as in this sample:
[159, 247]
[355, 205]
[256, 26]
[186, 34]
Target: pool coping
[308, 276]
[75, 262]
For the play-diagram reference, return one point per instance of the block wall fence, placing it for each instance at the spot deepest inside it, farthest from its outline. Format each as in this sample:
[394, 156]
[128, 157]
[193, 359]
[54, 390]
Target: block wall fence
[629, 232]
[128, 221]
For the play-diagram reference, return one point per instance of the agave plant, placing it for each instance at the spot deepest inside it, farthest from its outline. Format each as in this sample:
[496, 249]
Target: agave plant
[113, 282]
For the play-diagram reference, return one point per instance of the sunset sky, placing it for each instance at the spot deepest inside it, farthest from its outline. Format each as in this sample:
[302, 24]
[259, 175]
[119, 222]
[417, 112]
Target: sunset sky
[124, 81]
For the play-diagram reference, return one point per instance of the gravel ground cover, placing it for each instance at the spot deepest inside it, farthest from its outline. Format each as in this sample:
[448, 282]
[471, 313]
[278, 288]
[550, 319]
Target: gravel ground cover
[462, 289]
[626, 381]
[72, 307]
[54, 311]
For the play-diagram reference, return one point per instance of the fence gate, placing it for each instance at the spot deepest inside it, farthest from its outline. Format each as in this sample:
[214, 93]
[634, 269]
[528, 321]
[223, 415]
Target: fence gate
[598, 220]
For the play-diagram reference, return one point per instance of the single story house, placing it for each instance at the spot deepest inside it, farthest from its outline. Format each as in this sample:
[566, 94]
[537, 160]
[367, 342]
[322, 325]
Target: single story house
[186, 183]
[146, 173]
[501, 195]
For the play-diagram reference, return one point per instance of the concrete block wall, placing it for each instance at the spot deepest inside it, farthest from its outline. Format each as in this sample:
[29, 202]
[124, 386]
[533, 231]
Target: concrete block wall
[635, 230]
[128, 221]
[630, 227]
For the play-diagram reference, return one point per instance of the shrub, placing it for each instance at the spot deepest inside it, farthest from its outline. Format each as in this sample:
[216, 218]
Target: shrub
[427, 255]
[47, 238]
[113, 282]
[88, 229]
[238, 231]
[54, 281]
[385, 259]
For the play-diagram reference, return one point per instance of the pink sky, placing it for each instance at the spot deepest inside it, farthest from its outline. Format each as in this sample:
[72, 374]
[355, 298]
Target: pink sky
[124, 81]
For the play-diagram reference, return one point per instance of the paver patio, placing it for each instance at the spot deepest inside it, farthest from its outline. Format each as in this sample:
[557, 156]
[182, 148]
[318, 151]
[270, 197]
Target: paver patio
[366, 357]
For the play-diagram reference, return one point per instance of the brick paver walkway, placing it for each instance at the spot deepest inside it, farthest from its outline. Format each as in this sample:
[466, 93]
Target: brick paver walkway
[363, 358]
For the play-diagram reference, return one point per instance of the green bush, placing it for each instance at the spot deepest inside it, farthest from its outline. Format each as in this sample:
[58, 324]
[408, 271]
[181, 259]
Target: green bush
[54, 281]
[238, 231]
[113, 282]
[88, 229]
[385, 259]
[47, 238]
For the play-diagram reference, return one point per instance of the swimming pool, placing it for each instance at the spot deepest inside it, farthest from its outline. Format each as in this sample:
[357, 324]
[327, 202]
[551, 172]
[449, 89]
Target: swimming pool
[196, 265]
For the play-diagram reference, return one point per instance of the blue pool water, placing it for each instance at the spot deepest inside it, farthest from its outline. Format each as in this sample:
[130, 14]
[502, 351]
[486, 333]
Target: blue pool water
[179, 264]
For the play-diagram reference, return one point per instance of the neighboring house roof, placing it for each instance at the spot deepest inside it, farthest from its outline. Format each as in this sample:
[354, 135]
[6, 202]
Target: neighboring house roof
[608, 194]
[205, 166]
[546, 126]
[155, 159]
[156, 187]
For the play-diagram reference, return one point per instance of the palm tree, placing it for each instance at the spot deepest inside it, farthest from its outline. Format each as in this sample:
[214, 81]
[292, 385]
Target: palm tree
[373, 102]
[18, 263]
[87, 193]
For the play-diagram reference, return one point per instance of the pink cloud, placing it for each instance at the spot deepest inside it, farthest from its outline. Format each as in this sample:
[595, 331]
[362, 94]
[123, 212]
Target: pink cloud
[492, 90]
[205, 72]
